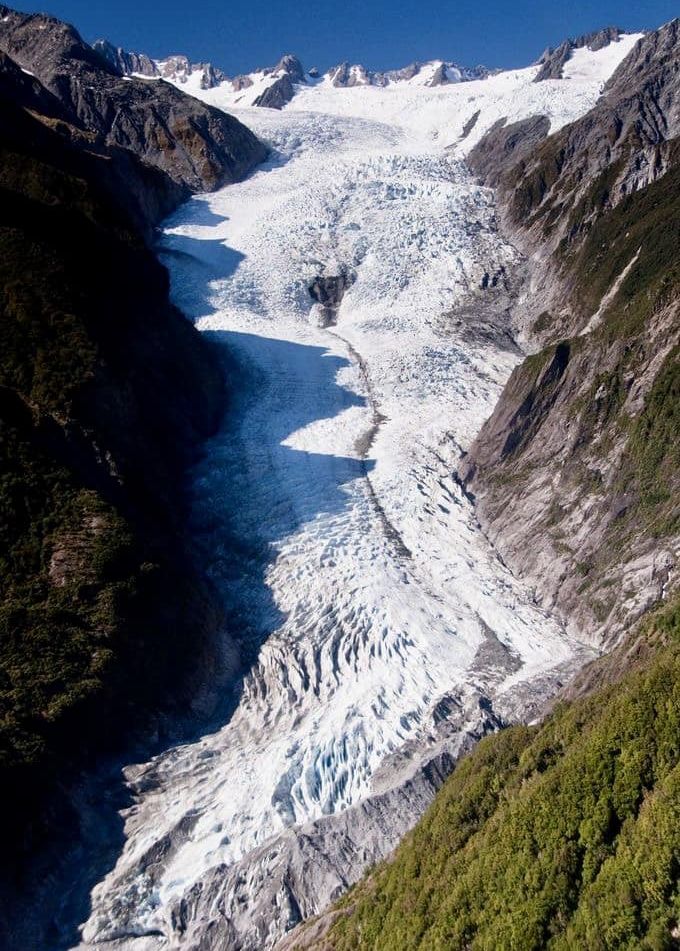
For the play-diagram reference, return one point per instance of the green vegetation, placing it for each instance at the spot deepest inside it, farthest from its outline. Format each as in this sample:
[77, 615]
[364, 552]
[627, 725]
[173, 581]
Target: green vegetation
[105, 390]
[654, 449]
[561, 836]
[645, 227]
[618, 394]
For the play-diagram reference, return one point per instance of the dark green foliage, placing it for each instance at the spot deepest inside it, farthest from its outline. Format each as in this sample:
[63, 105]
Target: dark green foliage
[653, 459]
[563, 836]
[105, 390]
[644, 226]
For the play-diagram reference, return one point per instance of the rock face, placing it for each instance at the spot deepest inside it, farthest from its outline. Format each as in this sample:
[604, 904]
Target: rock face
[277, 95]
[553, 60]
[197, 146]
[505, 144]
[289, 73]
[328, 291]
[576, 471]
[124, 62]
[290, 66]
[178, 69]
[144, 194]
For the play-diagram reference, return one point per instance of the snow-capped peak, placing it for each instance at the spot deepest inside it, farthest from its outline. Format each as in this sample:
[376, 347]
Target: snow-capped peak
[590, 57]
[177, 69]
[432, 73]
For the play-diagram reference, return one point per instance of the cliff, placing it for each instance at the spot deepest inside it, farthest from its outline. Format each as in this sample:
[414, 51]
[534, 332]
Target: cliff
[196, 146]
[576, 471]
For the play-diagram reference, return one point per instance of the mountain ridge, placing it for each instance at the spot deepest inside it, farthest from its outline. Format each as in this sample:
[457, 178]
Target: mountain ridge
[196, 146]
[610, 174]
[289, 71]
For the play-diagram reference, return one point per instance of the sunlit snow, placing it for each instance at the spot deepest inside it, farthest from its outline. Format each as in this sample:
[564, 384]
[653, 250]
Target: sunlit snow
[327, 509]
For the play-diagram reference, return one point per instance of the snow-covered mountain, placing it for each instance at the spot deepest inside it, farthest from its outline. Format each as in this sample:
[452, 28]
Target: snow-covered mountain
[273, 86]
[554, 60]
[362, 289]
[176, 69]
[433, 73]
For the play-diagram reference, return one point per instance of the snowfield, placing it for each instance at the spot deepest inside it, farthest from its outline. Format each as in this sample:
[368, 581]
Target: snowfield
[372, 608]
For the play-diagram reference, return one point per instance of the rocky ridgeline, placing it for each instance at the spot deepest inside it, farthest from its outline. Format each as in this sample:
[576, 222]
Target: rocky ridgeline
[436, 73]
[553, 60]
[574, 472]
[285, 76]
[196, 146]
[179, 69]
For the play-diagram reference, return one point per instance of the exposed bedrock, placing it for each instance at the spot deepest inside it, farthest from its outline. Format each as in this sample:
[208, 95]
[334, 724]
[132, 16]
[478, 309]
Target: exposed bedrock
[574, 472]
[328, 291]
[197, 146]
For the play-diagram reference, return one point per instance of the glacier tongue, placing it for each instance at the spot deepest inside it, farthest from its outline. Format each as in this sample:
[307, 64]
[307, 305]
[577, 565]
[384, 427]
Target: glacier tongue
[385, 633]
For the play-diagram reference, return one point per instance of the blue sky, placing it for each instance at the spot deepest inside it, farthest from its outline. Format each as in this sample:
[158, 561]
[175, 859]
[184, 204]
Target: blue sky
[242, 34]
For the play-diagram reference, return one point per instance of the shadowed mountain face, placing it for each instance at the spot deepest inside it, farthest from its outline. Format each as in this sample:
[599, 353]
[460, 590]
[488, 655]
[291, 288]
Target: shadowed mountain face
[196, 146]
[106, 392]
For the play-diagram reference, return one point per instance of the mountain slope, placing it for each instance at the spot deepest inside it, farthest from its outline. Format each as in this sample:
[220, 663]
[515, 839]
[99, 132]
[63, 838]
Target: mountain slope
[106, 393]
[197, 146]
[580, 455]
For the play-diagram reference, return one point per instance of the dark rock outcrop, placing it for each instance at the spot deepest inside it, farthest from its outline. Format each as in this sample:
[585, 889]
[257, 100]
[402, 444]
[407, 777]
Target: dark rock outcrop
[328, 291]
[241, 82]
[290, 66]
[176, 68]
[439, 77]
[124, 62]
[277, 95]
[289, 73]
[553, 60]
[197, 146]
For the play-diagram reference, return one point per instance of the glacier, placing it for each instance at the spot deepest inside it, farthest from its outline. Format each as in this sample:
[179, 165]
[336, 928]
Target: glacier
[382, 631]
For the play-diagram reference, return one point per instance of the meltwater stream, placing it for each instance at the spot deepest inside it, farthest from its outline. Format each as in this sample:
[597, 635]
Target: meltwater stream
[383, 629]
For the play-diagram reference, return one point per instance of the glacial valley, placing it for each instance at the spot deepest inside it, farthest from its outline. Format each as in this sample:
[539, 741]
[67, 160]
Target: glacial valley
[359, 289]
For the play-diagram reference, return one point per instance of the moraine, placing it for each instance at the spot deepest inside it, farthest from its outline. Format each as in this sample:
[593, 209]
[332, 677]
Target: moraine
[384, 634]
